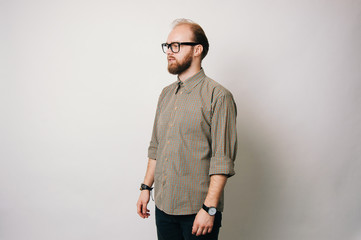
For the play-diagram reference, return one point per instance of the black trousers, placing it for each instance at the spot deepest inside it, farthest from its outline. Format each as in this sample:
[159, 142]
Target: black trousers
[179, 227]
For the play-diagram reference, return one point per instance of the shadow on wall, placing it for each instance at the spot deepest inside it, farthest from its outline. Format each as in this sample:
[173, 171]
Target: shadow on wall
[249, 202]
[251, 196]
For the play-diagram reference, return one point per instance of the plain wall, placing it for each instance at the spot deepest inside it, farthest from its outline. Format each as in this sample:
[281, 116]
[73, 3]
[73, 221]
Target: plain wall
[79, 83]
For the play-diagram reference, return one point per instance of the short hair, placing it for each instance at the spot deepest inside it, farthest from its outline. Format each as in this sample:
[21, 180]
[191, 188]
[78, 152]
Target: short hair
[198, 33]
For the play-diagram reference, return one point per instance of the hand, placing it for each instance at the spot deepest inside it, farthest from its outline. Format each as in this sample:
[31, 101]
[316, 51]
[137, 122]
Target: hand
[203, 223]
[142, 203]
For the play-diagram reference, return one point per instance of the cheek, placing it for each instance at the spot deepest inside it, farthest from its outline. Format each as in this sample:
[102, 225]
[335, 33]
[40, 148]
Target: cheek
[180, 58]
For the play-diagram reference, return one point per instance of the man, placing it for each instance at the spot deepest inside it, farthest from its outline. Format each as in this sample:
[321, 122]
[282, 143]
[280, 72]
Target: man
[193, 144]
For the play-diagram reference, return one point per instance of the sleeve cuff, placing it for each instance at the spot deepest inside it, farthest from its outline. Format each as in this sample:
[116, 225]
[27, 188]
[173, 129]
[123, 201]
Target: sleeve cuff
[221, 165]
[152, 153]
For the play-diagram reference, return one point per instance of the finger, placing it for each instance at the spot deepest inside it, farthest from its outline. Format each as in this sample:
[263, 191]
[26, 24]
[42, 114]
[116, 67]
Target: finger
[199, 232]
[144, 207]
[194, 229]
[205, 231]
[210, 230]
[141, 214]
[147, 213]
[139, 209]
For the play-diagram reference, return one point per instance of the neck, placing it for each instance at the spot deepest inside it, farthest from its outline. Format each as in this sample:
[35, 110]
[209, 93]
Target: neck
[192, 70]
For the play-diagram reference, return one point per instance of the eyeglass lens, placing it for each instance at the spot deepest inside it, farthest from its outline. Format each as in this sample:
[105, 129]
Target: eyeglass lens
[174, 47]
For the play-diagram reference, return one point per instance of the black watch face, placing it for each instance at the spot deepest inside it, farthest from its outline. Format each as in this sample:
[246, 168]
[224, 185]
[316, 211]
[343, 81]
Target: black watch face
[212, 211]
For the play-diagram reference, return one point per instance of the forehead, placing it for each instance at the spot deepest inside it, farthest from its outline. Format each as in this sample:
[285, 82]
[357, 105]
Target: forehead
[181, 33]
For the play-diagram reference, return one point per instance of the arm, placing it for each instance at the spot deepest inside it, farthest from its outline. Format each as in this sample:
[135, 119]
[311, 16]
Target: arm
[149, 175]
[203, 222]
[143, 200]
[224, 147]
[215, 190]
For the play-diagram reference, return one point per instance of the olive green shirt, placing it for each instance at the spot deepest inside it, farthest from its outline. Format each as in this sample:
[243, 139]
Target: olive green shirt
[194, 136]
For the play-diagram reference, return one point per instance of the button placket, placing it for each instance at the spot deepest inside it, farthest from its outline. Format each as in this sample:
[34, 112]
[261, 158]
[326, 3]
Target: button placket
[176, 104]
[173, 115]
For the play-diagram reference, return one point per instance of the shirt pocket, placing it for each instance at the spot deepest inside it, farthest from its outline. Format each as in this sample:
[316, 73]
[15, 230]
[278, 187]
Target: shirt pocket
[194, 122]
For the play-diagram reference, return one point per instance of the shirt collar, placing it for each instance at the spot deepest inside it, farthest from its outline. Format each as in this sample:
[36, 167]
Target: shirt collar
[193, 81]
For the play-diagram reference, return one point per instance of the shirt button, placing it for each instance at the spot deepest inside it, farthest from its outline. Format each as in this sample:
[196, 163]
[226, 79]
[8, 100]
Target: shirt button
[181, 92]
[175, 108]
[168, 142]
[170, 125]
[166, 159]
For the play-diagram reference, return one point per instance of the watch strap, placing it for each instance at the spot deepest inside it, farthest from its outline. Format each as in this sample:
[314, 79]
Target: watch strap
[145, 187]
[207, 209]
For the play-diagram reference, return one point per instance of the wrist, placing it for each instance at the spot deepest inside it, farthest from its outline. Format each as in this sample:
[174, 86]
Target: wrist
[210, 210]
[145, 187]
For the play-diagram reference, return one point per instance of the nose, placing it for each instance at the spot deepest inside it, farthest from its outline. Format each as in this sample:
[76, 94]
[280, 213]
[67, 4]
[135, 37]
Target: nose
[169, 52]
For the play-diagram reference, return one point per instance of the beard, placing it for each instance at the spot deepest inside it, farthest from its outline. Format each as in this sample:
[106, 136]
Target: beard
[177, 68]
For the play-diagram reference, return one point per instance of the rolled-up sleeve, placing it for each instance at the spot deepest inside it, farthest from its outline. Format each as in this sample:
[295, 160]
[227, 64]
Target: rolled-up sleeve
[153, 146]
[224, 136]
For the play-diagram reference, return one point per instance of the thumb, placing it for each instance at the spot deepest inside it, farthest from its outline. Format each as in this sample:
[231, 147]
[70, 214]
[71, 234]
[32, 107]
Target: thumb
[144, 208]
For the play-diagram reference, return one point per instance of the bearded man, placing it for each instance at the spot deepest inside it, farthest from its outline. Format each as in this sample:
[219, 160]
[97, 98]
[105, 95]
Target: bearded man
[193, 144]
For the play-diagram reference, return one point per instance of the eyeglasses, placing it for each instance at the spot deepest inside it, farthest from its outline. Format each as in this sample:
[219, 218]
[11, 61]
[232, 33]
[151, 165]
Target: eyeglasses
[175, 46]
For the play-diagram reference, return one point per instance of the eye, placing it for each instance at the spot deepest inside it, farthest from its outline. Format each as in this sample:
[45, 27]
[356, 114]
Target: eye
[175, 46]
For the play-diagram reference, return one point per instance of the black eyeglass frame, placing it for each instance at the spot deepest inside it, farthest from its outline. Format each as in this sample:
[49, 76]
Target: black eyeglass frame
[179, 43]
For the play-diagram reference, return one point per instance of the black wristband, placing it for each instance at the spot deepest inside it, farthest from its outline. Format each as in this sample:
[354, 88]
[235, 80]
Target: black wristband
[210, 210]
[145, 187]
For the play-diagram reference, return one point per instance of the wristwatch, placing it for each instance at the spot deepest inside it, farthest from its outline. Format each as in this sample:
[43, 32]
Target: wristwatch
[145, 187]
[210, 210]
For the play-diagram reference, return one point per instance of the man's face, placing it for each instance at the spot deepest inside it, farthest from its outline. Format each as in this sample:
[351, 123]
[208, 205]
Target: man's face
[181, 61]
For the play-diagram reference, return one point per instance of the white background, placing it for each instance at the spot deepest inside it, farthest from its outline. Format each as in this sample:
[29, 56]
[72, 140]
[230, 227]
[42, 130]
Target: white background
[79, 86]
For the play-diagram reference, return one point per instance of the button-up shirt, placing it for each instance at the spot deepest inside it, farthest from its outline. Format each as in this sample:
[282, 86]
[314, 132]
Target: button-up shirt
[194, 136]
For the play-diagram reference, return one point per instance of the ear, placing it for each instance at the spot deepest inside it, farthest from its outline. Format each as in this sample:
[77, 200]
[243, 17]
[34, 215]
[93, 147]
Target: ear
[198, 49]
